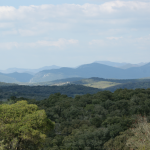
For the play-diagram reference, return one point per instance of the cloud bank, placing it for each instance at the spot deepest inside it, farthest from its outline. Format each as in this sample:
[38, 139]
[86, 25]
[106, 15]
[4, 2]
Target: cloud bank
[102, 31]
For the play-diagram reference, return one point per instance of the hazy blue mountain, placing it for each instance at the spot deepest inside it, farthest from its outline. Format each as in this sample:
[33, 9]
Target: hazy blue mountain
[109, 63]
[120, 65]
[53, 74]
[15, 77]
[127, 66]
[84, 71]
[92, 70]
[21, 77]
[30, 71]
[7, 79]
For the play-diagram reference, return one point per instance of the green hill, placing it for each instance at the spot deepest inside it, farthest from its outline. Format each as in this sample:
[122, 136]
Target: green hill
[7, 84]
[100, 83]
[113, 84]
[41, 92]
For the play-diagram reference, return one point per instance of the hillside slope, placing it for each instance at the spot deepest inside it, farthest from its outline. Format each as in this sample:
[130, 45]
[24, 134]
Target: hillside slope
[92, 70]
[21, 77]
[84, 71]
[7, 79]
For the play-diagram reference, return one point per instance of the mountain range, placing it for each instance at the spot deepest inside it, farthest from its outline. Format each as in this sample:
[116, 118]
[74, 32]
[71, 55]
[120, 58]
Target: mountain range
[15, 77]
[30, 71]
[120, 65]
[110, 71]
[93, 70]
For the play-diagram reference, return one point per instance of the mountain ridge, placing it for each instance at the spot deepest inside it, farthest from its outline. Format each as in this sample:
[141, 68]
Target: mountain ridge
[83, 71]
[92, 70]
[30, 71]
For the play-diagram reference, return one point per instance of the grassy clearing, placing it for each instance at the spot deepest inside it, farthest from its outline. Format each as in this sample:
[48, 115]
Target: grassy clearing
[101, 84]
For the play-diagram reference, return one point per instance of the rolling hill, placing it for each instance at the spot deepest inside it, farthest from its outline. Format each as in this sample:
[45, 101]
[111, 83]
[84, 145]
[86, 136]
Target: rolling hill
[113, 84]
[7, 79]
[120, 65]
[15, 77]
[30, 71]
[83, 71]
[57, 82]
[20, 77]
[92, 70]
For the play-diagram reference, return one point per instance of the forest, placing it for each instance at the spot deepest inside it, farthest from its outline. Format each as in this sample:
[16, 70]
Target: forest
[99, 121]
[41, 92]
[79, 87]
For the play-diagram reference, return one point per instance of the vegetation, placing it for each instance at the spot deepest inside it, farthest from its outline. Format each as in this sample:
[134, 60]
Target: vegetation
[7, 84]
[56, 82]
[141, 85]
[101, 84]
[113, 84]
[141, 135]
[71, 90]
[100, 121]
[94, 82]
[41, 92]
[23, 126]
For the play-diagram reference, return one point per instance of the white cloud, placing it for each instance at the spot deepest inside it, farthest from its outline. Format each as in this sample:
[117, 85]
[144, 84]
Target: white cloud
[45, 12]
[6, 25]
[133, 43]
[61, 43]
[10, 32]
[27, 32]
[97, 42]
[8, 45]
[114, 38]
[37, 20]
[109, 29]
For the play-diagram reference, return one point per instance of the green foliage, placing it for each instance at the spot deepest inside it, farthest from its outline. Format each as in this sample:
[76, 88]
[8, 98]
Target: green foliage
[86, 138]
[114, 84]
[92, 121]
[141, 134]
[119, 142]
[23, 126]
[42, 92]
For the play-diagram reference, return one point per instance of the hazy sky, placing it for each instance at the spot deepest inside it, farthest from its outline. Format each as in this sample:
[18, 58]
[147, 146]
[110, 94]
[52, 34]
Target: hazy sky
[37, 33]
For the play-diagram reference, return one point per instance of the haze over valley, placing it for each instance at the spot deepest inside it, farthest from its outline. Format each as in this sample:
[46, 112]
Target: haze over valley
[101, 69]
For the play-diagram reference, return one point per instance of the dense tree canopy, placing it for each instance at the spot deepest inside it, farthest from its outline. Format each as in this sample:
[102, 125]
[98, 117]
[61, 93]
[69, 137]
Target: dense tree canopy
[92, 121]
[23, 126]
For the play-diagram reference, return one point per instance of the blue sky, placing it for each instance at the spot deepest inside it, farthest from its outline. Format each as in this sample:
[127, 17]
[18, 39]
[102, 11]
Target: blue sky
[69, 33]
[17, 3]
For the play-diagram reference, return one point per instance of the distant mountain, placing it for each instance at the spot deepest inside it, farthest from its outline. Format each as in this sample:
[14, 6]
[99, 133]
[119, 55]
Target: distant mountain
[21, 77]
[7, 79]
[30, 71]
[127, 66]
[120, 65]
[15, 77]
[92, 70]
[48, 74]
[109, 63]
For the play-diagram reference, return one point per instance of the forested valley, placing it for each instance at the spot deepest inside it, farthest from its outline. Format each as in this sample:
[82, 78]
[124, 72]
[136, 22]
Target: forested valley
[101, 121]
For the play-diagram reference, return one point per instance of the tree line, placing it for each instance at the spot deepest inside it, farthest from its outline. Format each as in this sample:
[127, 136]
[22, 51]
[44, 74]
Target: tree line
[98, 121]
